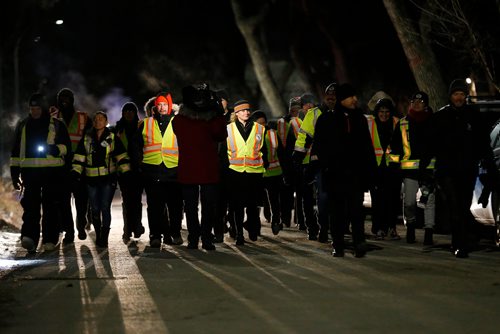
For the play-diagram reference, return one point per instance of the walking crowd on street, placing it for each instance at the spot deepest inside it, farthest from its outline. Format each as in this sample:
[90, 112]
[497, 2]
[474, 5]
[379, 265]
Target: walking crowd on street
[308, 169]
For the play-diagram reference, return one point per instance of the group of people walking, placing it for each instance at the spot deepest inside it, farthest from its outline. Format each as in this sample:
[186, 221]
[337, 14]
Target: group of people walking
[316, 162]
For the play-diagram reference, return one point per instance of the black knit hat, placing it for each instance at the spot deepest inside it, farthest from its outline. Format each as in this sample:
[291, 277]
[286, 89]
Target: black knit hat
[222, 93]
[66, 92]
[258, 114]
[295, 102]
[421, 96]
[458, 85]
[38, 100]
[344, 91]
[308, 98]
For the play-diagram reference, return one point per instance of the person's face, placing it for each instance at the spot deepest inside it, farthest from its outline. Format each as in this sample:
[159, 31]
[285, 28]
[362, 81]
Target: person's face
[350, 103]
[261, 121]
[243, 115]
[162, 108]
[100, 122]
[64, 101]
[129, 115]
[306, 107]
[36, 112]
[294, 111]
[330, 100]
[384, 114]
[457, 99]
[224, 104]
[418, 105]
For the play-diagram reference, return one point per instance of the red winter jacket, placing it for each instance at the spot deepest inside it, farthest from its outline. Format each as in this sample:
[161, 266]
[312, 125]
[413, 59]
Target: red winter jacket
[197, 137]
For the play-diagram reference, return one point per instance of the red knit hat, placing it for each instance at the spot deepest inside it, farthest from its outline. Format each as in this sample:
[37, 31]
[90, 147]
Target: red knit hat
[166, 98]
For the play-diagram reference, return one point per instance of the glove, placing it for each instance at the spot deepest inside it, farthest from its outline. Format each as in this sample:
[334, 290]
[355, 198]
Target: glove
[297, 158]
[53, 150]
[15, 175]
[484, 197]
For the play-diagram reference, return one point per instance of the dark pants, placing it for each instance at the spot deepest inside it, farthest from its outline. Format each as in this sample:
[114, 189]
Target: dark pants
[287, 192]
[79, 192]
[222, 214]
[273, 186]
[165, 209]
[43, 192]
[345, 199]
[457, 192]
[192, 195]
[322, 202]
[305, 201]
[131, 190]
[386, 200]
[244, 193]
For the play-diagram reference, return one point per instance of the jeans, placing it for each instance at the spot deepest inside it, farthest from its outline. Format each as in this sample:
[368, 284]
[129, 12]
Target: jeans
[410, 205]
[100, 197]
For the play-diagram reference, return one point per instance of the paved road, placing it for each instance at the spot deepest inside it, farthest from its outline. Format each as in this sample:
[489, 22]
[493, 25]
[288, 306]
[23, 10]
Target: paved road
[279, 284]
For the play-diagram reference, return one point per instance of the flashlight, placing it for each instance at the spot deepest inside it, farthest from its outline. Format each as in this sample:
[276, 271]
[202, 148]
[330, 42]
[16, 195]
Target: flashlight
[40, 148]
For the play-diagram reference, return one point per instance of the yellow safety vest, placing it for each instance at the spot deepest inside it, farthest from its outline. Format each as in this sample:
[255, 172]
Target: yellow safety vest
[406, 163]
[158, 148]
[274, 167]
[284, 127]
[76, 127]
[377, 146]
[245, 156]
[47, 161]
[307, 129]
[110, 165]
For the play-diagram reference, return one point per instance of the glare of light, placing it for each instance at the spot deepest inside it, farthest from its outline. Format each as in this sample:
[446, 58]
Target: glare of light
[36, 39]
[468, 80]
[40, 148]
[10, 263]
[59, 22]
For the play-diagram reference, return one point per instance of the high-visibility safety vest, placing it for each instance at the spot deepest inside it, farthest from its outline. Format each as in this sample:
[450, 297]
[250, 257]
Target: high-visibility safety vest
[377, 146]
[76, 127]
[271, 140]
[158, 148]
[123, 137]
[307, 130]
[405, 162]
[284, 128]
[110, 165]
[47, 161]
[245, 156]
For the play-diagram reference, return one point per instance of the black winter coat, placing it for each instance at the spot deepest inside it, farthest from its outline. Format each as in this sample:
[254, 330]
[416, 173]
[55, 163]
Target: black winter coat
[344, 148]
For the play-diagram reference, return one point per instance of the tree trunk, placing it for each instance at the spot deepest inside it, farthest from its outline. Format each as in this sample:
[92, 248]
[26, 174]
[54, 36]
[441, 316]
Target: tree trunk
[247, 27]
[421, 58]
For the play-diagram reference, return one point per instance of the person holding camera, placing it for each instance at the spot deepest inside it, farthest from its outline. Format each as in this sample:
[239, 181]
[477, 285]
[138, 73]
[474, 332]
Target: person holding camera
[199, 127]
[37, 161]
[100, 156]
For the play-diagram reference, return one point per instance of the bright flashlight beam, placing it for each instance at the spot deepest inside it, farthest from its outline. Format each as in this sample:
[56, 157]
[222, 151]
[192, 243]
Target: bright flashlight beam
[59, 22]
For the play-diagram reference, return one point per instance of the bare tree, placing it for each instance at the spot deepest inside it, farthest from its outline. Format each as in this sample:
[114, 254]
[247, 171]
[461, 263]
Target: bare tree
[420, 56]
[248, 26]
[455, 31]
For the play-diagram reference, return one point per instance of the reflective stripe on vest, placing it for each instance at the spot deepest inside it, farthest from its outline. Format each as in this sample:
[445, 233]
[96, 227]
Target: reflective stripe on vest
[406, 163]
[274, 167]
[76, 128]
[158, 148]
[109, 168]
[48, 161]
[245, 156]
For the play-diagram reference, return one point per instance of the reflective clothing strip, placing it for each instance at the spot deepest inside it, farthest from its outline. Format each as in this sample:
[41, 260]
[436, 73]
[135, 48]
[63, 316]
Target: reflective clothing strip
[274, 167]
[405, 162]
[377, 146]
[48, 161]
[245, 156]
[99, 171]
[76, 128]
[282, 130]
[158, 148]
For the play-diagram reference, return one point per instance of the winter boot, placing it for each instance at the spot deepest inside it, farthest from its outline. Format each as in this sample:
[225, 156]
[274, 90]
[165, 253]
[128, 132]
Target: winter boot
[103, 237]
[96, 221]
[428, 241]
[410, 234]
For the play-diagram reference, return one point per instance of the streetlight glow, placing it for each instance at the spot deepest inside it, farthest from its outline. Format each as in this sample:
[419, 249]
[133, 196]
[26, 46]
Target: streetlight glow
[59, 22]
